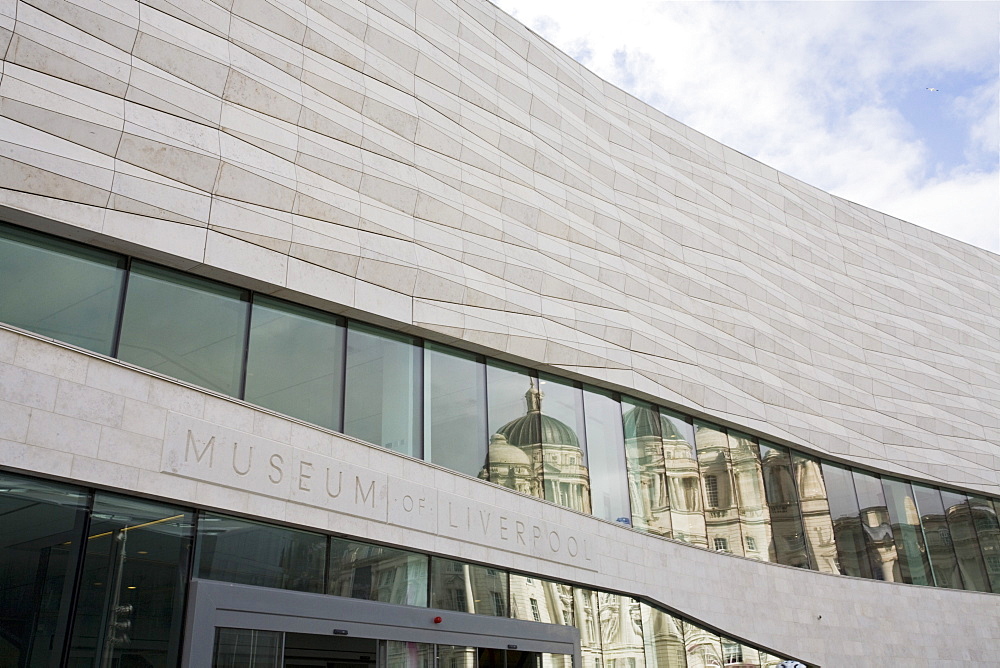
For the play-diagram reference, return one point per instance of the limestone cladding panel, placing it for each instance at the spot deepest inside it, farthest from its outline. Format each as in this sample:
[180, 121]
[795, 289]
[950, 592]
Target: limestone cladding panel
[438, 167]
[83, 418]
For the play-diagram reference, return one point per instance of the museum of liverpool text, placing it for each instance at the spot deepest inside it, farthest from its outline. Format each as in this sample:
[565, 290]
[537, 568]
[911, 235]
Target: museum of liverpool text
[384, 334]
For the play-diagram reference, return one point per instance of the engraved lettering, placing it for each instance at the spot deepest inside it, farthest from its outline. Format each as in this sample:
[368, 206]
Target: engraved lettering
[209, 448]
[408, 503]
[245, 471]
[503, 528]
[554, 545]
[519, 527]
[536, 533]
[276, 462]
[485, 521]
[572, 547]
[303, 476]
[340, 484]
[451, 520]
[420, 502]
[362, 494]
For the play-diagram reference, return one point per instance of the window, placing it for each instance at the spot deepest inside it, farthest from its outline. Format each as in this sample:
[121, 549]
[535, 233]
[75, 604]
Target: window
[534, 610]
[751, 543]
[499, 605]
[712, 491]
[721, 544]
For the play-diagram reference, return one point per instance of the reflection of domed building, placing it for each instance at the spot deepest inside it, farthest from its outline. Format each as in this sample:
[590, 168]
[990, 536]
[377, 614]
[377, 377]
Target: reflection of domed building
[539, 455]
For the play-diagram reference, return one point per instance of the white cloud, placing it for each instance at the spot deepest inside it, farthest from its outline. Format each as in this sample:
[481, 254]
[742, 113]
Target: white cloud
[810, 89]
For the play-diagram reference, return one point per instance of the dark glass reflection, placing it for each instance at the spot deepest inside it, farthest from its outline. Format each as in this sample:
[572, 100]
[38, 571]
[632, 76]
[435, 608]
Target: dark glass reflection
[722, 517]
[237, 550]
[937, 536]
[376, 573]
[463, 587]
[687, 517]
[852, 553]
[295, 361]
[815, 513]
[247, 648]
[647, 476]
[135, 571]
[454, 409]
[564, 443]
[787, 542]
[879, 541]
[42, 531]
[914, 566]
[984, 518]
[606, 457]
[755, 514]
[59, 289]
[185, 327]
[381, 396]
[515, 426]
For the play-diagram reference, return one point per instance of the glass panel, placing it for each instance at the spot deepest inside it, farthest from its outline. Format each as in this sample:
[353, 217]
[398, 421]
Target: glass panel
[556, 660]
[963, 533]
[621, 631]
[515, 450]
[663, 638]
[704, 648]
[735, 653]
[468, 588]
[381, 404]
[875, 524]
[852, 556]
[984, 518]
[681, 460]
[647, 477]
[535, 600]
[135, 571]
[586, 607]
[722, 517]
[454, 409]
[456, 656]
[937, 536]
[755, 516]
[247, 648]
[521, 659]
[407, 654]
[295, 361]
[787, 542]
[606, 457]
[59, 289]
[564, 444]
[914, 567]
[769, 660]
[815, 511]
[185, 327]
[236, 550]
[376, 573]
[43, 526]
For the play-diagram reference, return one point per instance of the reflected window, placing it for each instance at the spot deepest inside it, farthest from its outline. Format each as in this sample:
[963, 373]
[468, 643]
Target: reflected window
[687, 517]
[295, 361]
[538, 600]
[43, 526]
[130, 604]
[937, 536]
[722, 516]
[564, 443]
[463, 587]
[247, 648]
[381, 398]
[185, 327]
[377, 573]
[454, 409]
[965, 540]
[787, 538]
[662, 637]
[621, 630]
[815, 509]
[59, 289]
[703, 648]
[880, 543]
[748, 482]
[515, 427]
[237, 550]
[914, 566]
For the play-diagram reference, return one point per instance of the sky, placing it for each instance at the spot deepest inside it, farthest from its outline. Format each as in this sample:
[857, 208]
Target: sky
[835, 94]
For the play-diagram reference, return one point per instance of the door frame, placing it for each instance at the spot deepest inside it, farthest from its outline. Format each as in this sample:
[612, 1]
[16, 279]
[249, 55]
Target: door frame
[213, 605]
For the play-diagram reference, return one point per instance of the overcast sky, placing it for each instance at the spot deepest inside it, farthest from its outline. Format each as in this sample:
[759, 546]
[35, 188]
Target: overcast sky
[832, 93]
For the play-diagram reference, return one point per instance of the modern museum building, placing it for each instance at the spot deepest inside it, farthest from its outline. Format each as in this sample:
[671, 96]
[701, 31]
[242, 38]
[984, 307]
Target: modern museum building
[383, 334]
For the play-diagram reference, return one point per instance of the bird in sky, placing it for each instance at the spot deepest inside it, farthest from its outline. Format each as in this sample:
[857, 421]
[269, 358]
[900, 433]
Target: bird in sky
[933, 90]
